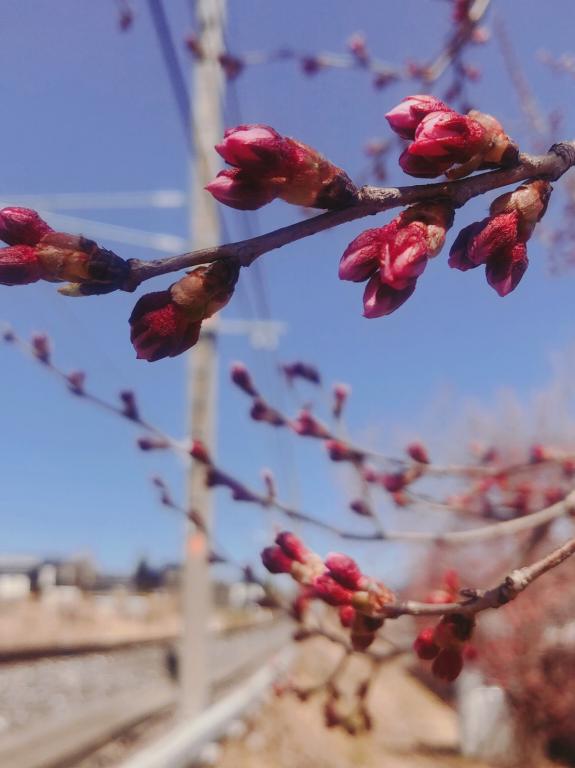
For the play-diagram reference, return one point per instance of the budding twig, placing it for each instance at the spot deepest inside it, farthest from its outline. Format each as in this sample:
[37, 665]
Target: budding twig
[371, 200]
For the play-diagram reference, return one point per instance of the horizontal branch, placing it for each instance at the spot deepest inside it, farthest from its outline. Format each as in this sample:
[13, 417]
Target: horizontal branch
[371, 200]
[475, 601]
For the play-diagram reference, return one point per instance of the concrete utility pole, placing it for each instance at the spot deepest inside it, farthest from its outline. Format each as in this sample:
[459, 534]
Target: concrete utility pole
[206, 127]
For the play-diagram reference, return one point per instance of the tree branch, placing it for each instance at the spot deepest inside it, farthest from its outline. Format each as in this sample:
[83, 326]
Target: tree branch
[371, 200]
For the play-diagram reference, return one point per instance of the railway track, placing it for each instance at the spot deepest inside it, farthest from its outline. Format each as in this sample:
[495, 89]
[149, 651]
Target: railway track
[59, 707]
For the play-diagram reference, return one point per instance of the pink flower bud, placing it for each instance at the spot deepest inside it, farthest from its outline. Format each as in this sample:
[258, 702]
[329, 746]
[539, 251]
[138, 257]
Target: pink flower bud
[505, 270]
[299, 370]
[448, 664]
[327, 589]
[232, 65]
[423, 167]
[19, 265]
[380, 299]
[252, 147]
[76, 382]
[344, 570]
[292, 546]
[346, 615]
[276, 561]
[307, 425]
[340, 451]
[239, 189]
[424, 645]
[199, 452]
[160, 328]
[418, 452]
[537, 454]
[393, 482]
[361, 507]
[261, 411]
[408, 114]
[21, 226]
[461, 255]
[448, 135]
[41, 348]
[340, 394]
[361, 257]
[242, 379]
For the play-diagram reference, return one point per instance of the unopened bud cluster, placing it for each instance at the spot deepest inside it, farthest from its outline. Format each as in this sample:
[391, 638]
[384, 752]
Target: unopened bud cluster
[446, 142]
[446, 645]
[266, 166]
[499, 241]
[337, 581]
[35, 252]
[167, 323]
[391, 258]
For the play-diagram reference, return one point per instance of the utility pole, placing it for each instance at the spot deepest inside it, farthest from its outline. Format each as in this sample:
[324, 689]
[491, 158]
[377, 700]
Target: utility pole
[206, 128]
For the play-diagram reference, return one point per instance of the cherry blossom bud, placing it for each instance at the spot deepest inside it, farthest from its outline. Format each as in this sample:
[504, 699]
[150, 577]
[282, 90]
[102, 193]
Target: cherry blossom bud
[361, 257]
[41, 348]
[299, 370]
[330, 591]
[358, 48]
[393, 482]
[447, 135]
[252, 147]
[418, 452]
[370, 474]
[199, 452]
[238, 189]
[408, 114]
[461, 255]
[232, 65]
[380, 299]
[425, 646]
[19, 265]
[22, 226]
[268, 165]
[276, 561]
[194, 46]
[423, 167]
[77, 259]
[340, 394]
[448, 664]
[506, 268]
[152, 443]
[346, 615]
[344, 570]
[340, 451]
[76, 382]
[261, 411]
[307, 425]
[129, 405]
[451, 581]
[361, 507]
[242, 379]
[553, 496]
[537, 454]
[292, 546]
[167, 323]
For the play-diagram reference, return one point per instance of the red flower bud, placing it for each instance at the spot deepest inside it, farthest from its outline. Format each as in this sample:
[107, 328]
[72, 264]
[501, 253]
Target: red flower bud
[505, 270]
[268, 165]
[423, 167]
[276, 561]
[253, 148]
[340, 451]
[19, 265]
[346, 615]
[21, 226]
[327, 589]
[199, 452]
[393, 482]
[292, 546]
[418, 452]
[76, 381]
[340, 394]
[361, 507]
[261, 411]
[424, 645]
[41, 348]
[448, 664]
[344, 570]
[238, 189]
[408, 114]
[299, 370]
[242, 379]
[161, 328]
[447, 135]
[537, 454]
[380, 299]
[167, 323]
[307, 425]
[232, 65]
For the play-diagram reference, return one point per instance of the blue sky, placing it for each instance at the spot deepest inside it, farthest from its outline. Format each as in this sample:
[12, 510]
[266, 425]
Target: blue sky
[88, 109]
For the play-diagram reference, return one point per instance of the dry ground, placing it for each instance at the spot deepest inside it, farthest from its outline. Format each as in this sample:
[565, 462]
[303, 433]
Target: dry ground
[412, 728]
